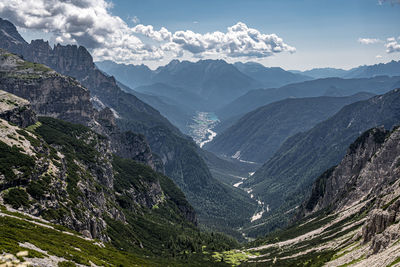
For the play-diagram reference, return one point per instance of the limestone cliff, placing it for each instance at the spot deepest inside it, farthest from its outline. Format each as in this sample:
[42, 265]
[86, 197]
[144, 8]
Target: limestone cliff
[16, 110]
[368, 174]
[352, 217]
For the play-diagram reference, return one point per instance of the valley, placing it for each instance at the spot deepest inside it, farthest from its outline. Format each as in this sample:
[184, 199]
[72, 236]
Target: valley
[187, 144]
[201, 128]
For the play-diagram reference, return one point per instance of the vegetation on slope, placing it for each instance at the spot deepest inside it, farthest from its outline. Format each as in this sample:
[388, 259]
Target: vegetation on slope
[163, 231]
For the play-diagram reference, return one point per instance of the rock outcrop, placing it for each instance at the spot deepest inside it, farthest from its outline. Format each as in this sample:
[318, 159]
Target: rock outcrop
[368, 175]
[16, 110]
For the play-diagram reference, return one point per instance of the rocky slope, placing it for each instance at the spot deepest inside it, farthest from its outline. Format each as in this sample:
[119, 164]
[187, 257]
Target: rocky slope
[62, 97]
[352, 216]
[284, 180]
[258, 134]
[16, 110]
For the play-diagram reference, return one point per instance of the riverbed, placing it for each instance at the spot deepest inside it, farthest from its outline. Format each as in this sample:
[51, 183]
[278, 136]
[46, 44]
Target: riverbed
[201, 127]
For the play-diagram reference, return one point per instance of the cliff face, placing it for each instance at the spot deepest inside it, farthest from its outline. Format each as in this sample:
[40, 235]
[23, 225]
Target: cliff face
[75, 61]
[369, 175]
[284, 180]
[50, 94]
[352, 217]
[62, 97]
[16, 110]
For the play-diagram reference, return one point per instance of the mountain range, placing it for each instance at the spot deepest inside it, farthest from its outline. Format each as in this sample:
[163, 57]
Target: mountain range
[215, 81]
[382, 69]
[284, 180]
[270, 77]
[258, 134]
[313, 88]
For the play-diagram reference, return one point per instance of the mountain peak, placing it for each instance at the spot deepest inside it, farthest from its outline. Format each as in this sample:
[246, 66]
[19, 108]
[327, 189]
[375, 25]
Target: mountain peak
[9, 34]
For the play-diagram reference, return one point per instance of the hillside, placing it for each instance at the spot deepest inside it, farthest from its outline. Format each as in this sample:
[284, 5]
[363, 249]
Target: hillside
[284, 180]
[67, 175]
[178, 115]
[319, 87]
[351, 218]
[257, 135]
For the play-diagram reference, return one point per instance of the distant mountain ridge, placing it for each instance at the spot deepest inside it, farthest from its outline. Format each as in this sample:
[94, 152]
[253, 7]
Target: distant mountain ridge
[313, 88]
[258, 134]
[319, 73]
[391, 68]
[213, 80]
[270, 77]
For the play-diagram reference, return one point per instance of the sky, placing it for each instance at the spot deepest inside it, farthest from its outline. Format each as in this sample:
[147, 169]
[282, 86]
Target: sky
[292, 34]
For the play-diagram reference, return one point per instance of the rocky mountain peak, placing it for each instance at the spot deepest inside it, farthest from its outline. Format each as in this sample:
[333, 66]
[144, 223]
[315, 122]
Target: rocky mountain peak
[9, 35]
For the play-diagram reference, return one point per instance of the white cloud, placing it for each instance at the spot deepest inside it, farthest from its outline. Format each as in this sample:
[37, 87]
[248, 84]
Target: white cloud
[91, 24]
[162, 35]
[84, 22]
[390, 1]
[378, 56]
[368, 41]
[238, 41]
[392, 45]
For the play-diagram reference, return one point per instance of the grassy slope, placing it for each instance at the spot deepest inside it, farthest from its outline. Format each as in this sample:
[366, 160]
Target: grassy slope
[17, 228]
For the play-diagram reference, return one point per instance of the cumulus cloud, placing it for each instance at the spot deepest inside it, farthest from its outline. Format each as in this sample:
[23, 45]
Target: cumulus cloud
[84, 22]
[238, 41]
[162, 35]
[90, 23]
[392, 45]
[368, 41]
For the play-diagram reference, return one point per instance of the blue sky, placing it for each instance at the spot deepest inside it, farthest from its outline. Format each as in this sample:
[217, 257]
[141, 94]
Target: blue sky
[325, 33]
[322, 33]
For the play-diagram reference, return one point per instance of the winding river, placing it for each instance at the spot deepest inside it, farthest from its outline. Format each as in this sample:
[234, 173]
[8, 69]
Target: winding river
[201, 127]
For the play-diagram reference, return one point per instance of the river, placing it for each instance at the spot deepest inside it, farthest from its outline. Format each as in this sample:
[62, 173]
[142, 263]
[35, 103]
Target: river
[201, 127]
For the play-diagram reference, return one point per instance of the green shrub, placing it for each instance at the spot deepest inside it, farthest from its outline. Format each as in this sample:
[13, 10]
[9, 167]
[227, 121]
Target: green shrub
[66, 264]
[16, 197]
[12, 158]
